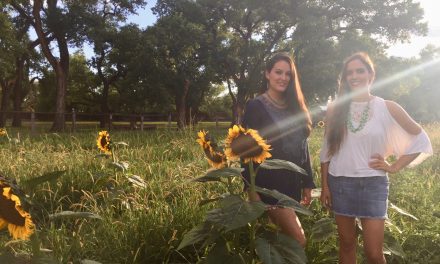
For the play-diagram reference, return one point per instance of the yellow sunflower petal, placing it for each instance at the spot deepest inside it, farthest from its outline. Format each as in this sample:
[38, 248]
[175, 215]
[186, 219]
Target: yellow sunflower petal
[103, 142]
[246, 144]
[202, 139]
[23, 226]
[3, 223]
[215, 156]
[216, 159]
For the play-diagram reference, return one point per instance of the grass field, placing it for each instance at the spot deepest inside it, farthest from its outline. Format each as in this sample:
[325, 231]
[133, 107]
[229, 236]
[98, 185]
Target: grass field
[142, 203]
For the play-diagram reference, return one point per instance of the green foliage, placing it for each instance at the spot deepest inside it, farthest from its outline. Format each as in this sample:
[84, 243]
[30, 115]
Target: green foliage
[227, 220]
[82, 84]
[275, 248]
[284, 200]
[323, 229]
[32, 183]
[146, 223]
[275, 164]
[216, 175]
[74, 215]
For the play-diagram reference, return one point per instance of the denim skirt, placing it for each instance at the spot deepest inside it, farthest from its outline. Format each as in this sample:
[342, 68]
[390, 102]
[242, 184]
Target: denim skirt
[361, 197]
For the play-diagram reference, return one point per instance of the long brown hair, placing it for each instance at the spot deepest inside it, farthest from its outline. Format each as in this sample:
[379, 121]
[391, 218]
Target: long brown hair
[294, 96]
[337, 127]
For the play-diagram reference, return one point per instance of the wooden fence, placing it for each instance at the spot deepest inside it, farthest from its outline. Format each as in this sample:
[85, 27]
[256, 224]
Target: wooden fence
[113, 121]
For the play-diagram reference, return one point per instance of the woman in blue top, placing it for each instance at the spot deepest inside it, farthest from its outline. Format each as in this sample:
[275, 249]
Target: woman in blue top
[280, 115]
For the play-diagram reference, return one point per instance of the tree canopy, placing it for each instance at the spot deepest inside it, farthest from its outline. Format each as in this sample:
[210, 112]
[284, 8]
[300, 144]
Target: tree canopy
[195, 47]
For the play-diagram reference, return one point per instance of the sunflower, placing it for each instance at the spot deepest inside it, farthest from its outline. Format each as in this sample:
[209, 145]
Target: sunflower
[13, 216]
[3, 132]
[203, 139]
[246, 144]
[103, 142]
[214, 154]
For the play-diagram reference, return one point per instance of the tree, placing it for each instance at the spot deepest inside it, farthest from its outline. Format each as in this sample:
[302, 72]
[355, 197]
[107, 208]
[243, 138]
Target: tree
[181, 45]
[256, 28]
[143, 88]
[83, 85]
[52, 18]
[112, 45]
[8, 46]
[66, 23]
[423, 100]
[18, 56]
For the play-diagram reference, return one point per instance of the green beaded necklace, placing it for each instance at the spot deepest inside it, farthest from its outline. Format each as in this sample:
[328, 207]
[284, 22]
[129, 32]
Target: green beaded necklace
[362, 122]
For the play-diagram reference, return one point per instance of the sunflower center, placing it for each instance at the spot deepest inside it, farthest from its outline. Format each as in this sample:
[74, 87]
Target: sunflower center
[103, 141]
[9, 213]
[246, 146]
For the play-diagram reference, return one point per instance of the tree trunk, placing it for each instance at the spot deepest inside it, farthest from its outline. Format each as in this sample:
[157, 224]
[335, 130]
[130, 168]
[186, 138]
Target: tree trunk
[238, 103]
[6, 93]
[133, 120]
[238, 111]
[105, 108]
[59, 120]
[61, 66]
[18, 87]
[181, 106]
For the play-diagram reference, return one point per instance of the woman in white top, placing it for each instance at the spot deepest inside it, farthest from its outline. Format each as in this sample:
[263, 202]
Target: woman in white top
[362, 131]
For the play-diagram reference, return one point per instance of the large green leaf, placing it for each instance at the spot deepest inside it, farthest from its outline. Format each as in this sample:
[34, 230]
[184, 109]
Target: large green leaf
[234, 212]
[216, 175]
[323, 229]
[390, 225]
[277, 248]
[196, 235]
[390, 244]
[122, 165]
[75, 215]
[137, 181]
[401, 211]
[47, 177]
[219, 254]
[284, 200]
[120, 143]
[210, 200]
[277, 164]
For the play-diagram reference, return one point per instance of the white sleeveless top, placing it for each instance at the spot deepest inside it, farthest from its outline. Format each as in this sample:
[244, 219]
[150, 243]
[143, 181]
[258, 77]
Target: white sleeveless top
[380, 135]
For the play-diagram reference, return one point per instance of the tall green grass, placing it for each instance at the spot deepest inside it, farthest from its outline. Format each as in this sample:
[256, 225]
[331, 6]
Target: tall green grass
[145, 224]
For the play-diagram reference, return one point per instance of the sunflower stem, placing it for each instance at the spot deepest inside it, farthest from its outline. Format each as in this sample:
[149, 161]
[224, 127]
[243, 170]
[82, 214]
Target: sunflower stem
[230, 189]
[252, 193]
[253, 175]
[113, 155]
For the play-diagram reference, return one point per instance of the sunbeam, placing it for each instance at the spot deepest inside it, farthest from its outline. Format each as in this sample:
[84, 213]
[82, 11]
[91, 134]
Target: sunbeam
[284, 127]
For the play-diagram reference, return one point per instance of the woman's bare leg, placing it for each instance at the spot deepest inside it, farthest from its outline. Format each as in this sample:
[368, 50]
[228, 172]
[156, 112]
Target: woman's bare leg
[288, 221]
[347, 239]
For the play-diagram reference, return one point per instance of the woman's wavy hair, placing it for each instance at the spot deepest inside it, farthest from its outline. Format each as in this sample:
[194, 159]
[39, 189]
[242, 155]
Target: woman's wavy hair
[295, 98]
[337, 126]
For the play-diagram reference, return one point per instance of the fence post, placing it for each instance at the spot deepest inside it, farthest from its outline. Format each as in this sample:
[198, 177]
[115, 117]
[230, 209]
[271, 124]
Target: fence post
[32, 122]
[110, 119]
[190, 119]
[169, 120]
[73, 120]
[142, 123]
